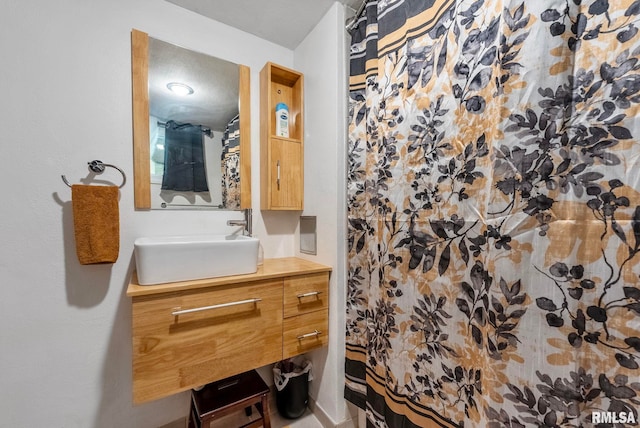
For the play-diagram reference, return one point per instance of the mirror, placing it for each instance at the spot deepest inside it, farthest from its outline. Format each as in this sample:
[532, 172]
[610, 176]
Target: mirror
[191, 151]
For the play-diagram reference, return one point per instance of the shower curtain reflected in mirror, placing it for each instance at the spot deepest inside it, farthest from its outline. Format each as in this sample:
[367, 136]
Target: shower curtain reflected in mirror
[494, 214]
[184, 167]
[230, 163]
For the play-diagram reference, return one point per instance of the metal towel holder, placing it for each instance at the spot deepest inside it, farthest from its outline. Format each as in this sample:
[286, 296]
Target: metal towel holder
[98, 167]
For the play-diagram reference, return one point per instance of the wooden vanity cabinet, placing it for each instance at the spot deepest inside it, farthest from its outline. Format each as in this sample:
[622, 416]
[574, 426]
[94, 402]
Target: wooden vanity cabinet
[281, 158]
[191, 333]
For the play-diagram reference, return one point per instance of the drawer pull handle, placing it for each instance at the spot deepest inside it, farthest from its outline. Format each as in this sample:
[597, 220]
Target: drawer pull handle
[208, 308]
[315, 333]
[311, 293]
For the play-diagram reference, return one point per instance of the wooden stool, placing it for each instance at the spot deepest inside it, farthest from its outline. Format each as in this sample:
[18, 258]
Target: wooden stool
[230, 395]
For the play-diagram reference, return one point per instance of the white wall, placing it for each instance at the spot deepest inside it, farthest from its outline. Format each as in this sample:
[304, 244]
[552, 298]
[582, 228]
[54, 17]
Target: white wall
[65, 99]
[321, 57]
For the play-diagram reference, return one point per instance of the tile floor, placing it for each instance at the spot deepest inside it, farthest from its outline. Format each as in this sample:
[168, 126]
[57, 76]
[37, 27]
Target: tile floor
[307, 420]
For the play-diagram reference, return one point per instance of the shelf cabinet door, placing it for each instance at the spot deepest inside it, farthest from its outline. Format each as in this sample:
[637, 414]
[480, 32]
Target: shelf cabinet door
[286, 179]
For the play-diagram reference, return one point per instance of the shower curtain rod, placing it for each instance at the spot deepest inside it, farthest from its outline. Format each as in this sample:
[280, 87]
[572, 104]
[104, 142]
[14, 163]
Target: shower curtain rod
[351, 22]
[204, 129]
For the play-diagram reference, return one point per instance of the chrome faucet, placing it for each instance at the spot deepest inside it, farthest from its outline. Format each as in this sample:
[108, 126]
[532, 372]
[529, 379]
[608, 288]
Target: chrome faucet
[246, 223]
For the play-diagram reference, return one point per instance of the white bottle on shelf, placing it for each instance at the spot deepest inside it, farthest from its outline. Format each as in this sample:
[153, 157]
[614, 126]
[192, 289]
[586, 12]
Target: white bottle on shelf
[282, 120]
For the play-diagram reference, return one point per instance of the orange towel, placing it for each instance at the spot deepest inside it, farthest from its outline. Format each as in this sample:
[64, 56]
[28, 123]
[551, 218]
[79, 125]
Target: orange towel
[96, 220]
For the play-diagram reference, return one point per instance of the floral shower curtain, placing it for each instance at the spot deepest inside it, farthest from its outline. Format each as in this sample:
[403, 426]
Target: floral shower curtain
[230, 164]
[494, 213]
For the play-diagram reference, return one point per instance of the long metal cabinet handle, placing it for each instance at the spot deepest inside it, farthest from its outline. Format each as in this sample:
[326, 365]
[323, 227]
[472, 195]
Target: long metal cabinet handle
[315, 333]
[278, 174]
[221, 305]
[311, 293]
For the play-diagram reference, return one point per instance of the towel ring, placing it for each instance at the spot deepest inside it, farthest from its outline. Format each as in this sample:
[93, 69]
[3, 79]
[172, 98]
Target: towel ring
[98, 167]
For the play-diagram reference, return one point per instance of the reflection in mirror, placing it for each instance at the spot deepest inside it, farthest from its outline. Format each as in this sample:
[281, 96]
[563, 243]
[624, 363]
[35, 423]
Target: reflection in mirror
[193, 125]
[193, 147]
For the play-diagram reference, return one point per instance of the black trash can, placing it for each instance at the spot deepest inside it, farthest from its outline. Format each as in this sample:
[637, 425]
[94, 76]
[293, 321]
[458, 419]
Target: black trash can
[292, 387]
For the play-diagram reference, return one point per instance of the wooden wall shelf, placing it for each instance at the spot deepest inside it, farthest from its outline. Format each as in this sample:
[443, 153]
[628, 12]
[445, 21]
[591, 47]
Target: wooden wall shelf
[281, 158]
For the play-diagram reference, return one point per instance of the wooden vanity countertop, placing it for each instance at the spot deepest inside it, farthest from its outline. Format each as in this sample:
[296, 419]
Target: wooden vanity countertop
[271, 268]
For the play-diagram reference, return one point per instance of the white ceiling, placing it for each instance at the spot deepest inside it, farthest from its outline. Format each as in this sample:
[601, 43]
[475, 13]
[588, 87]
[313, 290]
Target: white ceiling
[284, 22]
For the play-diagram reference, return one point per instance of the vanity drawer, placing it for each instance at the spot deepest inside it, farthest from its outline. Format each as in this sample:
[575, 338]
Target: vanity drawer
[221, 331]
[306, 293]
[299, 334]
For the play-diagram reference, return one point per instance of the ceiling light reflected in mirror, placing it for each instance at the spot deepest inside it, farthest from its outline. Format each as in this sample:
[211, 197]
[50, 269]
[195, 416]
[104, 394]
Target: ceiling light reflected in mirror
[180, 88]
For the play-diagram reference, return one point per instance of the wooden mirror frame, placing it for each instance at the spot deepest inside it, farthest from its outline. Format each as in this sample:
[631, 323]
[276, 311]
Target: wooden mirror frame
[141, 155]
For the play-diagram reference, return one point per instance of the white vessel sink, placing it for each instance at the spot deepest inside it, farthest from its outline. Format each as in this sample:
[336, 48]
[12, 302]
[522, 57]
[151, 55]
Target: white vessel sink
[180, 258]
